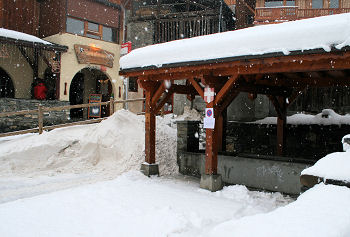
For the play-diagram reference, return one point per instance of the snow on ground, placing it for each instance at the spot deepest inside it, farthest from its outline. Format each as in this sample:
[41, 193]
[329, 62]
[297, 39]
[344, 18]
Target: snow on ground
[331, 31]
[132, 205]
[322, 211]
[85, 181]
[81, 154]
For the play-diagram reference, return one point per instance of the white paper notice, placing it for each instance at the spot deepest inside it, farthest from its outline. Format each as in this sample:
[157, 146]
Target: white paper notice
[209, 123]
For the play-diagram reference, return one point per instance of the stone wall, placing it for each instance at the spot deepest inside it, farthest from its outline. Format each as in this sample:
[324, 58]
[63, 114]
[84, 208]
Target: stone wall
[250, 158]
[20, 122]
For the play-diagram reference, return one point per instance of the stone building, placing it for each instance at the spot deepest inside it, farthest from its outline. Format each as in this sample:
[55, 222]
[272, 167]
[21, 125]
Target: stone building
[150, 22]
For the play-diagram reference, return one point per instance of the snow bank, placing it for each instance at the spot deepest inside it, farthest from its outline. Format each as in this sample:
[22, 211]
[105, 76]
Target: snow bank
[333, 166]
[114, 146]
[346, 142]
[322, 211]
[326, 117]
[321, 32]
[132, 205]
[21, 36]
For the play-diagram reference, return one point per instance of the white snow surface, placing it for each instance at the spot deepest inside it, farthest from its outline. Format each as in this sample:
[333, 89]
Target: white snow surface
[81, 154]
[333, 166]
[321, 32]
[84, 181]
[322, 211]
[326, 117]
[21, 36]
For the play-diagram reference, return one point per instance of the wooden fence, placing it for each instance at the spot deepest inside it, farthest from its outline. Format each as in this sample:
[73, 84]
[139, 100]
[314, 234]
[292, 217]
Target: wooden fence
[41, 109]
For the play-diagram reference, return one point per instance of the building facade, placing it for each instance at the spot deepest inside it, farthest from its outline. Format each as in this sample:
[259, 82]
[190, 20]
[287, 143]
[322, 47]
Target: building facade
[89, 30]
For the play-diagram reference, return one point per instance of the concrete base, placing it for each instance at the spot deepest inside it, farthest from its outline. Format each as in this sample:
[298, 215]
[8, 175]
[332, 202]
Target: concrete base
[211, 182]
[149, 169]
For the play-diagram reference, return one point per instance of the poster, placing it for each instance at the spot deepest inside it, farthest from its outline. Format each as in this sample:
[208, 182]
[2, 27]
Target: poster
[95, 111]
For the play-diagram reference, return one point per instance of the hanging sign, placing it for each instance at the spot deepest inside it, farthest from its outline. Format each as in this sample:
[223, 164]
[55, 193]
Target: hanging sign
[125, 48]
[208, 94]
[209, 120]
[4, 53]
[95, 111]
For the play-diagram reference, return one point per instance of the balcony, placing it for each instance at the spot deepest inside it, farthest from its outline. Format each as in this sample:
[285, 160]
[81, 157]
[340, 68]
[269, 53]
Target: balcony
[268, 15]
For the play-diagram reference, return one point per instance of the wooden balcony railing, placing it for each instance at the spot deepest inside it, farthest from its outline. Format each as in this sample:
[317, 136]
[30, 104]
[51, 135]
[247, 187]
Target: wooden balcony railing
[267, 15]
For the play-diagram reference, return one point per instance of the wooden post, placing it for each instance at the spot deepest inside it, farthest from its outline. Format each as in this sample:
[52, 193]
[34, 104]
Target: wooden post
[211, 153]
[40, 118]
[281, 127]
[111, 106]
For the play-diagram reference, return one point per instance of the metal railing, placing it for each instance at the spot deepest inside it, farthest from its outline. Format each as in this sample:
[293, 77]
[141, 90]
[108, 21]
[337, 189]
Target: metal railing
[41, 110]
[267, 15]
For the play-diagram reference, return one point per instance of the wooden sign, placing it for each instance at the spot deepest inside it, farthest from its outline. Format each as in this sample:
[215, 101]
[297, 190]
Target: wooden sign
[93, 55]
[95, 111]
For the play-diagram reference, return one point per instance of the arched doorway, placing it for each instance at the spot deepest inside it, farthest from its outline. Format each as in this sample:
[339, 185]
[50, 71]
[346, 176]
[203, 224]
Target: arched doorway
[86, 82]
[6, 85]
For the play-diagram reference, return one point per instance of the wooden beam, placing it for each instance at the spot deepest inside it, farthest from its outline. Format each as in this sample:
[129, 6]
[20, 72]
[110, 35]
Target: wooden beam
[197, 87]
[158, 94]
[163, 101]
[225, 89]
[150, 130]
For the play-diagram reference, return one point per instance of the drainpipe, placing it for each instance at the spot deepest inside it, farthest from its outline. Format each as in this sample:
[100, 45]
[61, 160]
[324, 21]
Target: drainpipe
[220, 16]
[125, 81]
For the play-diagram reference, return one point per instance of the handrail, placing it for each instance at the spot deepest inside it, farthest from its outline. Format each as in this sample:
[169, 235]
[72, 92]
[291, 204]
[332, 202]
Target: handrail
[41, 109]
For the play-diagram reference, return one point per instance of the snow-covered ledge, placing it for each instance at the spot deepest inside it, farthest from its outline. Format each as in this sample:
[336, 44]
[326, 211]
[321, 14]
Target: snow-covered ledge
[331, 169]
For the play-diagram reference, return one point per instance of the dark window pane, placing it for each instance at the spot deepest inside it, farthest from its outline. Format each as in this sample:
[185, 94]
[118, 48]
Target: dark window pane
[109, 34]
[75, 26]
[316, 4]
[133, 87]
[334, 4]
[273, 3]
[93, 27]
[290, 3]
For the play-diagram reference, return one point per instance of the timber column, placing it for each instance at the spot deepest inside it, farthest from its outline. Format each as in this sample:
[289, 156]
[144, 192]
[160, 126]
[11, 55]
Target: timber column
[211, 180]
[149, 167]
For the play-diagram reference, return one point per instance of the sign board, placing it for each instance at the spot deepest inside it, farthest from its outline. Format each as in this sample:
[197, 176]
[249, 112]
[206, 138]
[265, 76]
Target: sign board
[4, 53]
[95, 111]
[93, 55]
[125, 48]
[208, 94]
[209, 120]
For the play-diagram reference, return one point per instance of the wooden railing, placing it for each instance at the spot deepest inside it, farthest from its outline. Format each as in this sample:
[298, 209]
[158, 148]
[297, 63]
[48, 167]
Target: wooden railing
[41, 110]
[268, 15]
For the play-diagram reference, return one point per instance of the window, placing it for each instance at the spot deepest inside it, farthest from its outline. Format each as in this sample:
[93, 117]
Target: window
[334, 4]
[317, 4]
[75, 26]
[92, 30]
[133, 87]
[273, 3]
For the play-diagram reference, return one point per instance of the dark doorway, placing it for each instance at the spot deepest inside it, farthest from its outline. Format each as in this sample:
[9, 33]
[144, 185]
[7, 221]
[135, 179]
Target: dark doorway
[76, 95]
[6, 86]
[50, 80]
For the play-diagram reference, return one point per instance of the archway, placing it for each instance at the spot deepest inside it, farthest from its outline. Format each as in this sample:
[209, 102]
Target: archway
[6, 85]
[86, 82]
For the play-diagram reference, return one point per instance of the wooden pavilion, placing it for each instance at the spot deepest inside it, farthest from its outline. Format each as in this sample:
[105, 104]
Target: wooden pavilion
[279, 75]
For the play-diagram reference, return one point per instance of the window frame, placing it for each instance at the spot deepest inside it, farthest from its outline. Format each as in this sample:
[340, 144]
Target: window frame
[98, 33]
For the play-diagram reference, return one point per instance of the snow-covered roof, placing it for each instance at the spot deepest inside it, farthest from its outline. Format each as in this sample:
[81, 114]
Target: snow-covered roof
[309, 34]
[19, 37]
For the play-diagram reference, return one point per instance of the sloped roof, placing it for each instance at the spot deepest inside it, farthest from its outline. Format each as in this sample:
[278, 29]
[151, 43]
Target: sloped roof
[19, 38]
[323, 34]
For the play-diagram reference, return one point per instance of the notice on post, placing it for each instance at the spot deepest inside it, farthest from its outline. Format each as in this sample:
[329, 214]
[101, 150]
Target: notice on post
[209, 123]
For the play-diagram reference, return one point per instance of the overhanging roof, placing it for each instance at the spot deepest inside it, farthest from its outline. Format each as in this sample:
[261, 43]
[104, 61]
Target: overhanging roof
[320, 35]
[22, 39]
